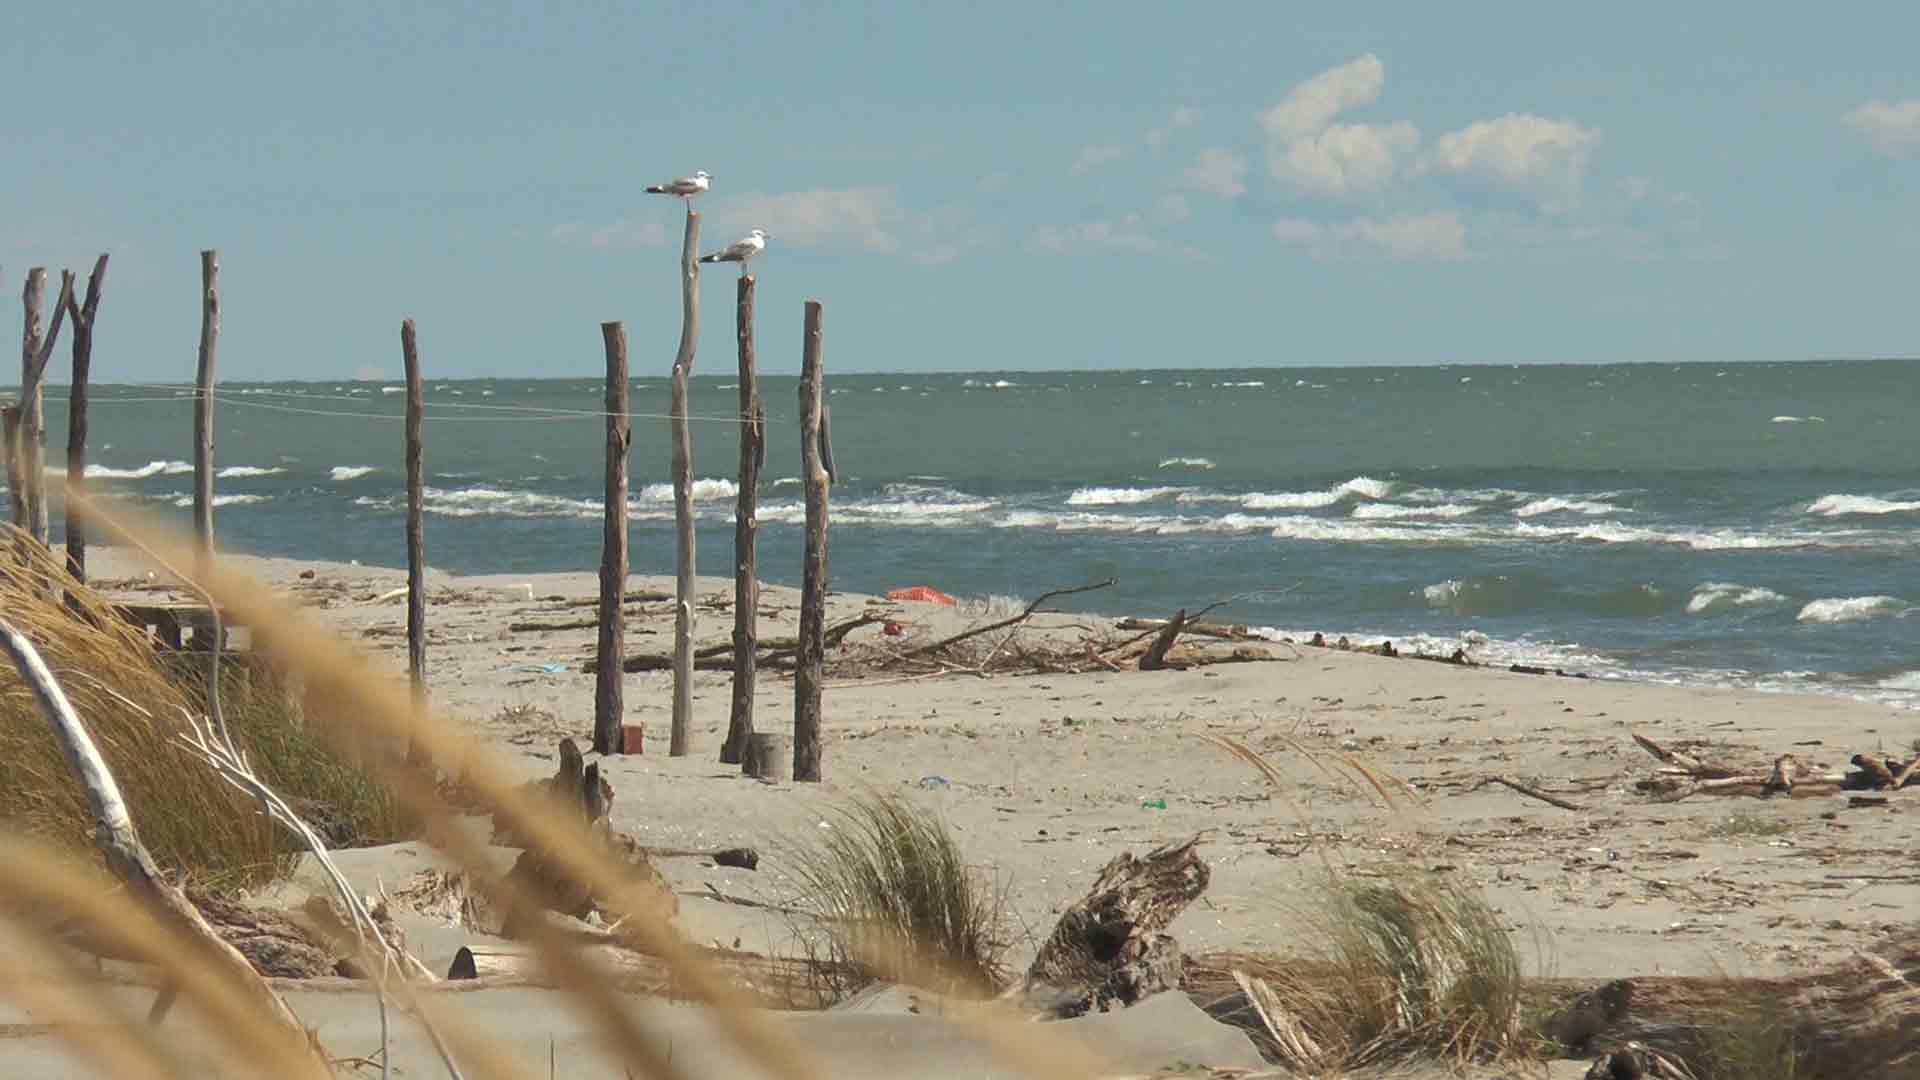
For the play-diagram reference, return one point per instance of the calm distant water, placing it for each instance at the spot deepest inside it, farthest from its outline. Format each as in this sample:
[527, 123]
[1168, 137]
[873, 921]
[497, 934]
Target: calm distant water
[1750, 524]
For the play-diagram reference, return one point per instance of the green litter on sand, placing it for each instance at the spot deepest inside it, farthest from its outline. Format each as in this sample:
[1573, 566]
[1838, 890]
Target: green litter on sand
[1153, 804]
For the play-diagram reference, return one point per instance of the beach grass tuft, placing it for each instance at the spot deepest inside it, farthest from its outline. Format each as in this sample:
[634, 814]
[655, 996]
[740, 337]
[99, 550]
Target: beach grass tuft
[133, 700]
[897, 899]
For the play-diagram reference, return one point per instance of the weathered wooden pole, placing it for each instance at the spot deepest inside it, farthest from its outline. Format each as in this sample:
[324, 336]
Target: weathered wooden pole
[35, 351]
[811, 657]
[608, 708]
[203, 402]
[81, 316]
[416, 531]
[16, 477]
[682, 736]
[746, 591]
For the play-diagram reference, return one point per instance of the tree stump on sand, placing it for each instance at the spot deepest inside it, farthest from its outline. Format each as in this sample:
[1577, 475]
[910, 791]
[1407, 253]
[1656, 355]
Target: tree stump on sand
[579, 785]
[768, 757]
[1108, 948]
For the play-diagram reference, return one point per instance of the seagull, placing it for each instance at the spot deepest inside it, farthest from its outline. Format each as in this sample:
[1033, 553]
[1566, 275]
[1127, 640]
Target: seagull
[685, 187]
[740, 251]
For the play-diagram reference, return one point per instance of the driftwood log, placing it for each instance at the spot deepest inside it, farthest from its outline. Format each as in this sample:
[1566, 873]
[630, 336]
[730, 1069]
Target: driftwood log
[1683, 774]
[1155, 658]
[1109, 948]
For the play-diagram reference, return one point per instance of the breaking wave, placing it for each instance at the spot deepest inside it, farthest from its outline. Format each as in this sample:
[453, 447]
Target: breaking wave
[1843, 505]
[1555, 504]
[236, 472]
[703, 490]
[1717, 596]
[1186, 463]
[1118, 496]
[351, 472]
[151, 468]
[1852, 609]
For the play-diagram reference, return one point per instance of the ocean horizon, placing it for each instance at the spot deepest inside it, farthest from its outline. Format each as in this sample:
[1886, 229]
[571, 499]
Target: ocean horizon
[1743, 524]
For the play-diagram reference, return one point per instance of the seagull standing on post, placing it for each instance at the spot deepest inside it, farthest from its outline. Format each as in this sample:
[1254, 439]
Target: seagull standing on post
[686, 187]
[741, 251]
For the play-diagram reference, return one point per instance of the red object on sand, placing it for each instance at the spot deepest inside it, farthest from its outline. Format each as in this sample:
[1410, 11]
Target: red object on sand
[923, 593]
[893, 629]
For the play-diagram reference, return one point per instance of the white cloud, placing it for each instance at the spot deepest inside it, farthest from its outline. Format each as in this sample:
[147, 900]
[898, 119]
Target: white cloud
[1312, 105]
[1306, 149]
[1345, 159]
[1406, 238]
[869, 217]
[1093, 236]
[1183, 117]
[1893, 127]
[1172, 209]
[1542, 156]
[1216, 172]
[1092, 157]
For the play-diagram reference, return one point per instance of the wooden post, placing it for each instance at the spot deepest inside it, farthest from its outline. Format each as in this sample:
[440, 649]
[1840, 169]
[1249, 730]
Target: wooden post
[416, 533]
[608, 708]
[203, 402]
[81, 315]
[811, 657]
[681, 738]
[16, 476]
[746, 591]
[35, 351]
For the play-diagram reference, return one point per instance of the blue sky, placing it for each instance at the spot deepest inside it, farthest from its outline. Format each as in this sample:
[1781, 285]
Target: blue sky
[974, 186]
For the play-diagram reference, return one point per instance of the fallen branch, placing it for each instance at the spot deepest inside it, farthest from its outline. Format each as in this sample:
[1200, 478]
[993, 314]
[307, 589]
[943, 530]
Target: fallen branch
[1028, 613]
[1531, 792]
[1155, 658]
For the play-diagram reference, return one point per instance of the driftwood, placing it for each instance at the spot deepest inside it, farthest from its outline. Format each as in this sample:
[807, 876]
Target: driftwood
[203, 401]
[1684, 774]
[680, 739]
[1155, 658]
[1860, 1018]
[1193, 628]
[1531, 792]
[35, 352]
[416, 532]
[808, 675]
[1108, 948]
[1027, 613]
[82, 316]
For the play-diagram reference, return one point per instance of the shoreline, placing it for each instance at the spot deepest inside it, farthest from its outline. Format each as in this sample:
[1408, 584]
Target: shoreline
[1044, 777]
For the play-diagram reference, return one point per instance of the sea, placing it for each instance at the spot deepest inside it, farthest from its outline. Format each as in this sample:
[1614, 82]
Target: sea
[1751, 525]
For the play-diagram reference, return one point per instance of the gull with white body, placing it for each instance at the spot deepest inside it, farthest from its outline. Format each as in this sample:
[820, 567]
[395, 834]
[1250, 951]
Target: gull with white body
[685, 187]
[741, 251]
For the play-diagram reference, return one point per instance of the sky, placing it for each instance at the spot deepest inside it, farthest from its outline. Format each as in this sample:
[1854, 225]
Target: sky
[971, 187]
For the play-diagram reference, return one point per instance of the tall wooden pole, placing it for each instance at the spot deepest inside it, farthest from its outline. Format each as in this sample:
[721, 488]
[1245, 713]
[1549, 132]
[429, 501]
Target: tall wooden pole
[808, 672]
[416, 532]
[16, 475]
[35, 351]
[682, 737]
[608, 708]
[82, 316]
[203, 402]
[746, 592]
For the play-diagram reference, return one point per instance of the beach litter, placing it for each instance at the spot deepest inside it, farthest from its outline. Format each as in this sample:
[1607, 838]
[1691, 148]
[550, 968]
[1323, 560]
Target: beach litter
[923, 594]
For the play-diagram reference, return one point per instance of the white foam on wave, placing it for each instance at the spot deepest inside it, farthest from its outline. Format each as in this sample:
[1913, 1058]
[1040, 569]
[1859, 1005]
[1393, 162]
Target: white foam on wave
[1843, 505]
[1613, 532]
[1303, 527]
[1836, 609]
[1186, 463]
[1118, 496]
[151, 468]
[704, 489]
[1382, 511]
[1714, 596]
[1250, 383]
[185, 501]
[1906, 680]
[496, 502]
[1365, 487]
[351, 472]
[1443, 594]
[1799, 420]
[236, 472]
[1555, 504]
[786, 481]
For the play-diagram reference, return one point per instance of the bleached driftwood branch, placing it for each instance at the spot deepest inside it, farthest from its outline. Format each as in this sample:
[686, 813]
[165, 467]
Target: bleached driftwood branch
[117, 840]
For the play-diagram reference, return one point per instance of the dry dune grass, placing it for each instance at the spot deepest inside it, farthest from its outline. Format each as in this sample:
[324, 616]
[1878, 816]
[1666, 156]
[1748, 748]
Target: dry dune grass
[356, 710]
[134, 702]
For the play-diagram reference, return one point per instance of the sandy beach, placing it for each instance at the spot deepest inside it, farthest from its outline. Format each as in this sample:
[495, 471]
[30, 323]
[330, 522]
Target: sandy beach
[1045, 778]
